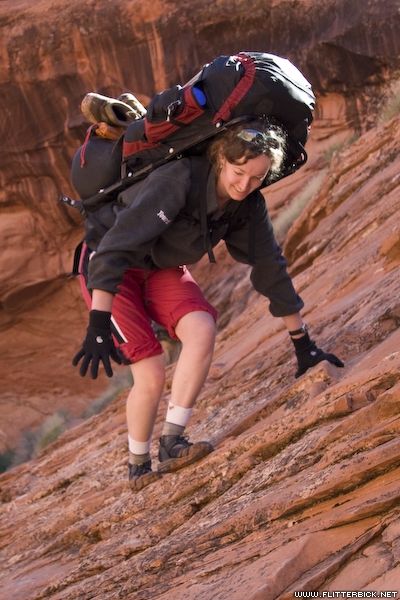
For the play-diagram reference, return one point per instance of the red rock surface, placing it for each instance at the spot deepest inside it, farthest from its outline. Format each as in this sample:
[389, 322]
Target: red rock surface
[302, 492]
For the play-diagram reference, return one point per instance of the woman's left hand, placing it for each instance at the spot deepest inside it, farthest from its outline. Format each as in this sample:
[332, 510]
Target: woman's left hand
[308, 355]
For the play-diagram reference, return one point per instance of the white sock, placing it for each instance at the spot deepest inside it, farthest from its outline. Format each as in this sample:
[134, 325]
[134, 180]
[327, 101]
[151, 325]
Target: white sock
[138, 448]
[178, 415]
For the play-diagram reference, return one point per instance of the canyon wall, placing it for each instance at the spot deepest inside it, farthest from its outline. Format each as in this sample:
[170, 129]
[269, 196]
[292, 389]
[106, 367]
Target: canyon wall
[302, 491]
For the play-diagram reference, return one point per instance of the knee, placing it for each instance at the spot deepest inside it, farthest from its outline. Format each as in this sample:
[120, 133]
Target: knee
[207, 328]
[149, 374]
[197, 327]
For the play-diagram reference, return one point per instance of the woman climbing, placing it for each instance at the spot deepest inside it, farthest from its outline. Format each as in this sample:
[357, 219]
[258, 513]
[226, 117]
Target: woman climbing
[137, 275]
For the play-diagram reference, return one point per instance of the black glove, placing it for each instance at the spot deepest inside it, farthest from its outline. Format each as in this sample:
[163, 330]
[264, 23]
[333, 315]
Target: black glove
[308, 355]
[97, 346]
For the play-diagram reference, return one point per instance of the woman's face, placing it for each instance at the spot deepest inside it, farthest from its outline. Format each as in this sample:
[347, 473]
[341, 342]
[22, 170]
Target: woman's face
[236, 181]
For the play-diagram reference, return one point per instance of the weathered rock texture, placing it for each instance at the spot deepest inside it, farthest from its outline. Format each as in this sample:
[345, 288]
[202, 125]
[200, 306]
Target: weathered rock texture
[302, 492]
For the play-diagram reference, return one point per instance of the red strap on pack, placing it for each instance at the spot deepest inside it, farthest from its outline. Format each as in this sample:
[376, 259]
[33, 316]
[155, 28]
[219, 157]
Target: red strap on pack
[130, 148]
[85, 143]
[240, 90]
[156, 133]
[186, 113]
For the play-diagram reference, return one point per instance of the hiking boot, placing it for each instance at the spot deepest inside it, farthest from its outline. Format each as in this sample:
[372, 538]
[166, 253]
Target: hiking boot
[102, 109]
[142, 475]
[134, 103]
[175, 452]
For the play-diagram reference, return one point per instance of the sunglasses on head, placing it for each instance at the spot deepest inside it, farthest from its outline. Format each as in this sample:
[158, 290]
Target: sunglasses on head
[252, 136]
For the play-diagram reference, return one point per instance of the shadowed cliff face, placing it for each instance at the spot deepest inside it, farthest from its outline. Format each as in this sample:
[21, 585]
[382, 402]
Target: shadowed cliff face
[302, 491]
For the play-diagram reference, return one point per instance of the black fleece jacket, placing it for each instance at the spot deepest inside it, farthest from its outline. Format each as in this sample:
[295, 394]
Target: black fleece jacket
[158, 229]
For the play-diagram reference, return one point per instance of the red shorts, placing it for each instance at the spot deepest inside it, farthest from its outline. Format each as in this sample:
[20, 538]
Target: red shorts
[163, 296]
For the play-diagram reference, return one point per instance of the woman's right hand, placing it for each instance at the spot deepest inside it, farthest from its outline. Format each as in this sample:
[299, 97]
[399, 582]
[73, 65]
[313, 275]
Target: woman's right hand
[97, 346]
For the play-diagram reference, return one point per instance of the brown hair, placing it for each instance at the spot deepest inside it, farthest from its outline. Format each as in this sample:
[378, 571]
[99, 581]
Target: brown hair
[271, 142]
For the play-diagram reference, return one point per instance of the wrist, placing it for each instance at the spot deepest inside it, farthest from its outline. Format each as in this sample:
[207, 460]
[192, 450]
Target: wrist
[100, 319]
[299, 332]
[102, 300]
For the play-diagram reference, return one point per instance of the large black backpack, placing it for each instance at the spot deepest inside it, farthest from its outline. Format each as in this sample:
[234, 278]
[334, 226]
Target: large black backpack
[181, 121]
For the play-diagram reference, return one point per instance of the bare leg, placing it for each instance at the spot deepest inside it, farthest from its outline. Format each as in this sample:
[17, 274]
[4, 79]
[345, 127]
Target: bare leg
[141, 412]
[196, 330]
[144, 397]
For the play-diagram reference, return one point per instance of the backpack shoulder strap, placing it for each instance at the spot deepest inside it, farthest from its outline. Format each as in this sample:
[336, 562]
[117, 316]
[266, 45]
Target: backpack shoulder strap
[200, 169]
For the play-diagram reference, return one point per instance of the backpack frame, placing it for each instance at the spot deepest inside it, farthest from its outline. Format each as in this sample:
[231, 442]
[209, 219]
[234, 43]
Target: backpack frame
[182, 120]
